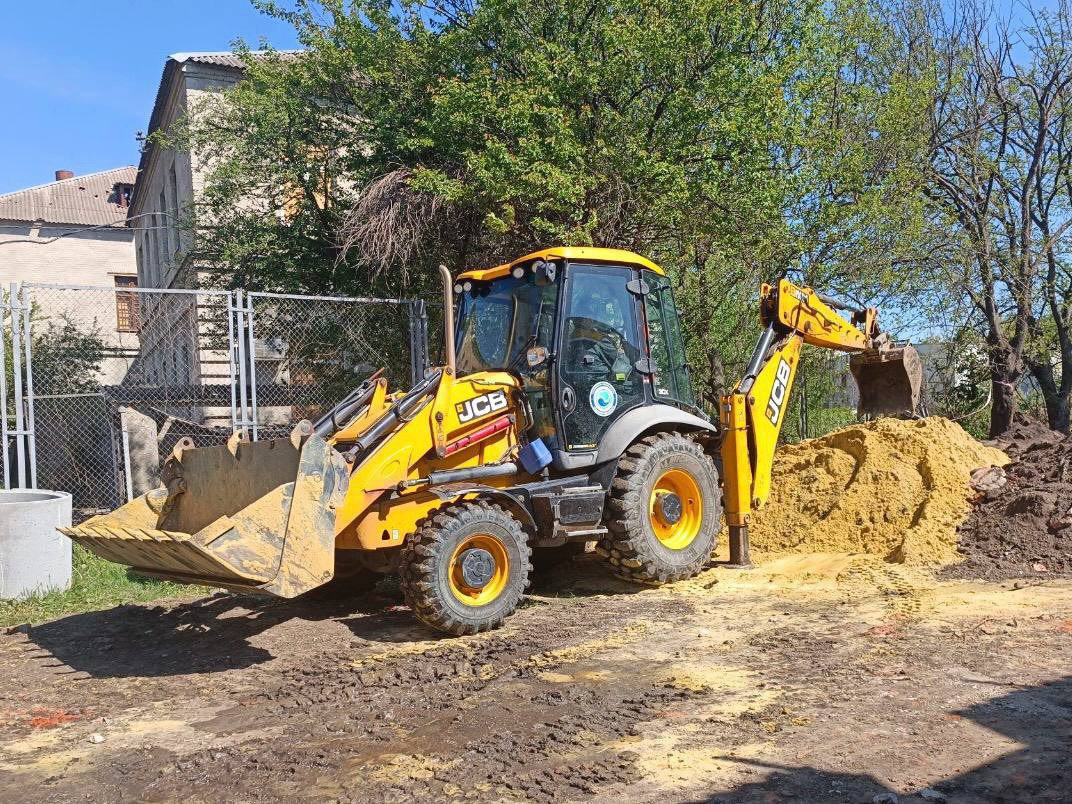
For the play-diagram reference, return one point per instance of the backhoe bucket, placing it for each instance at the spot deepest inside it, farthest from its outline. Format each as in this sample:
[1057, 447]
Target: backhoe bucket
[248, 516]
[890, 381]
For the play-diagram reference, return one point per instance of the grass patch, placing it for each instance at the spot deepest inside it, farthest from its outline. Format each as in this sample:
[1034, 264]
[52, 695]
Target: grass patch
[97, 584]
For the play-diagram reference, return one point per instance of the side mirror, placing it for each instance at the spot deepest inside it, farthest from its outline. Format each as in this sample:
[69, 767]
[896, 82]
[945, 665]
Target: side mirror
[536, 356]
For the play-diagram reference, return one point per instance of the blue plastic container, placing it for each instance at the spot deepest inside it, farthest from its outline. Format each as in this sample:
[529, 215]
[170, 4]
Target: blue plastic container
[535, 456]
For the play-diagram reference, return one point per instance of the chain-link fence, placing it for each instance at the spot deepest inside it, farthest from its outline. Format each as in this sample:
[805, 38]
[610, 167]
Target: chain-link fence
[109, 379]
[310, 351]
[100, 383]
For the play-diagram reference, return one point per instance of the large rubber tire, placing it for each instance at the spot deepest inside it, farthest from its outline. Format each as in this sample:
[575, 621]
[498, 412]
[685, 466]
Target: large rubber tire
[430, 572]
[632, 546]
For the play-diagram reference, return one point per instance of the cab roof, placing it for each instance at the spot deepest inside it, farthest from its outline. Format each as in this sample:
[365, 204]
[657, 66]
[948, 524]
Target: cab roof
[581, 253]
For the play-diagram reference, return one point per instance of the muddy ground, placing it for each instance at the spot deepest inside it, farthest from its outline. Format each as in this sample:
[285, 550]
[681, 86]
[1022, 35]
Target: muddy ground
[812, 678]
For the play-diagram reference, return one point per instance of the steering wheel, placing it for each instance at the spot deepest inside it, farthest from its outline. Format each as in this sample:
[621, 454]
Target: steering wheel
[580, 344]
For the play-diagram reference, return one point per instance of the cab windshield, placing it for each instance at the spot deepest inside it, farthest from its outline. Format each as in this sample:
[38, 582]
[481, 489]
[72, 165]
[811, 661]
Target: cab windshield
[497, 323]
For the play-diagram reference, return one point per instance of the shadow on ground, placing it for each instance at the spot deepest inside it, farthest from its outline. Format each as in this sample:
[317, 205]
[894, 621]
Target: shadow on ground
[1040, 718]
[209, 635]
[213, 634]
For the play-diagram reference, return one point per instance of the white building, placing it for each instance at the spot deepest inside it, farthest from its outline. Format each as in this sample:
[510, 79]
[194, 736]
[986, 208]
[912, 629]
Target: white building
[179, 342]
[71, 231]
[170, 180]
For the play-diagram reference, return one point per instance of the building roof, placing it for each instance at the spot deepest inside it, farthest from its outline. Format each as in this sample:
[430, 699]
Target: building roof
[88, 200]
[219, 59]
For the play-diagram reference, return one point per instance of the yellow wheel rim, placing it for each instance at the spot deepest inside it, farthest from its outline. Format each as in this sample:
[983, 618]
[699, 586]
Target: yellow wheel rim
[675, 509]
[479, 596]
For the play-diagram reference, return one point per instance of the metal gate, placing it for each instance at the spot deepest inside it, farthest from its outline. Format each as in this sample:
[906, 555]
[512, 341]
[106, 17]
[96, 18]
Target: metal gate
[99, 383]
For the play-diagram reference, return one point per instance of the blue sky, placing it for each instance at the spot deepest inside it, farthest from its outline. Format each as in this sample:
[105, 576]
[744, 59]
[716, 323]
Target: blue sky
[78, 77]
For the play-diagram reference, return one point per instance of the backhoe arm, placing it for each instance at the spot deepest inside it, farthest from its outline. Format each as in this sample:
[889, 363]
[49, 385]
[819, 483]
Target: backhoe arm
[753, 413]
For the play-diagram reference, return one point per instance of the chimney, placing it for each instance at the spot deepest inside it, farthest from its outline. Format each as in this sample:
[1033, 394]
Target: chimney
[64, 174]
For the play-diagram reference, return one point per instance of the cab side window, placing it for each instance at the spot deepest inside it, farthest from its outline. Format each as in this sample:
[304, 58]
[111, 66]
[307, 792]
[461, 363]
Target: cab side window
[665, 342]
[663, 380]
[536, 379]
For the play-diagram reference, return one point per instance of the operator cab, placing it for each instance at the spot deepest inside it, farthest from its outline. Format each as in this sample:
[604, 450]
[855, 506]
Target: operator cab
[592, 333]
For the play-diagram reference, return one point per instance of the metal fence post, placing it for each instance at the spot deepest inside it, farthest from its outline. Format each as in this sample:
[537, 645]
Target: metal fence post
[3, 386]
[232, 306]
[418, 340]
[31, 437]
[16, 370]
[126, 457]
[240, 331]
[252, 349]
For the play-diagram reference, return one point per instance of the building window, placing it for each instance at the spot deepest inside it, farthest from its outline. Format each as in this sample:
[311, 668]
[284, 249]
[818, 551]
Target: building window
[173, 211]
[127, 308]
[165, 238]
[121, 194]
[154, 253]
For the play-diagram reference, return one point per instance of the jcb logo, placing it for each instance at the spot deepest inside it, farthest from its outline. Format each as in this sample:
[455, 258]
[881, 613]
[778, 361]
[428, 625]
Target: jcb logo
[480, 406]
[778, 391]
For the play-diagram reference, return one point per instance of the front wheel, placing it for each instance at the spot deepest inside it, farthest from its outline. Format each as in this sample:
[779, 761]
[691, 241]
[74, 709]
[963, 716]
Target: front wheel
[466, 568]
[663, 512]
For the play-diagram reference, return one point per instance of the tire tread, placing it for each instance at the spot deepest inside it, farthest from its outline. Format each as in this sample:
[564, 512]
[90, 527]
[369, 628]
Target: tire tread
[423, 550]
[625, 546]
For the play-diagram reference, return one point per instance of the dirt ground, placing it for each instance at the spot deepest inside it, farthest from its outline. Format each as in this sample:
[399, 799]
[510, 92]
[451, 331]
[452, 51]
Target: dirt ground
[812, 678]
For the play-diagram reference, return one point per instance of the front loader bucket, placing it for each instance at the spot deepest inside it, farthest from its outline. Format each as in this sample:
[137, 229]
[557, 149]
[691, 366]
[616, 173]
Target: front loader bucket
[890, 381]
[248, 516]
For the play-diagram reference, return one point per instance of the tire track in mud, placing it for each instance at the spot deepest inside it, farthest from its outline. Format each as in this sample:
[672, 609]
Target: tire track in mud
[540, 758]
[569, 756]
[900, 587]
[456, 667]
[577, 696]
[537, 739]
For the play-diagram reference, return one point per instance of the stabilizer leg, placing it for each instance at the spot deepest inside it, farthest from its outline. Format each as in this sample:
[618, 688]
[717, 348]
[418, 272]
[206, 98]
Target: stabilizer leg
[739, 553]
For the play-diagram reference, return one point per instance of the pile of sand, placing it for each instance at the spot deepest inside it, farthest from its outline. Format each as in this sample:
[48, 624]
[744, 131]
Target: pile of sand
[891, 488]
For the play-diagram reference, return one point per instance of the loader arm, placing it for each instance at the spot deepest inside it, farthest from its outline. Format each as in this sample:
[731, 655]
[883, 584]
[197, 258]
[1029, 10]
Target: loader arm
[753, 413]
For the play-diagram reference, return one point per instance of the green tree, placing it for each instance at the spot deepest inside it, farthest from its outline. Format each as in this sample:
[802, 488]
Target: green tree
[732, 142]
[66, 357]
[1000, 187]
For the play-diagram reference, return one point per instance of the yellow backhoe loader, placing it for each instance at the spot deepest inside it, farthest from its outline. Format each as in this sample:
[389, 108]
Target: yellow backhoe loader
[563, 414]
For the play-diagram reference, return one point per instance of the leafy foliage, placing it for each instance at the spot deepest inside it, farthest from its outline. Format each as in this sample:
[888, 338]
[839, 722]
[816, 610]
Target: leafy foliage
[999, 186]
[66, 358]
[730, 141]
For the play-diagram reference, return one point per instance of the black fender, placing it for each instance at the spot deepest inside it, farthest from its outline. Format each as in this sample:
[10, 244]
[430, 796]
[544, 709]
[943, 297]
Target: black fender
[515, 503]
[641, 420]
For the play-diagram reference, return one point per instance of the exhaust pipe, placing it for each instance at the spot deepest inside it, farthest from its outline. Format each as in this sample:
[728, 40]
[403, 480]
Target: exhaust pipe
[448, 320]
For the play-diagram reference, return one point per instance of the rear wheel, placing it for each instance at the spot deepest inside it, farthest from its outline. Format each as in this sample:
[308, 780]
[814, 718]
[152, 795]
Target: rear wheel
[663, 512]
[466, 568]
